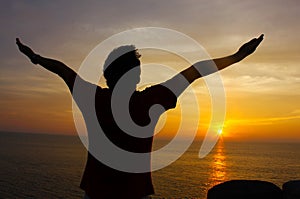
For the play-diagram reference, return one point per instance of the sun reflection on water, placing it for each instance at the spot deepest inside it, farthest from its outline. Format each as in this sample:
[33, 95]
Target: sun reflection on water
[218, 172]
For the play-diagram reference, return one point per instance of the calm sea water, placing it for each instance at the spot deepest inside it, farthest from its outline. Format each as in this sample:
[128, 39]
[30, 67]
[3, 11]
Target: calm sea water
[50, 166]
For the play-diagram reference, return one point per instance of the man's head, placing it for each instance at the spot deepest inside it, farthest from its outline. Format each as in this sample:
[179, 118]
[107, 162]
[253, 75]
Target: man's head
[120, 61]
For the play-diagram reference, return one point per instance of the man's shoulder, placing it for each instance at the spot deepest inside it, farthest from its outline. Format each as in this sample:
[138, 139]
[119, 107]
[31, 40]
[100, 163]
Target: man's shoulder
[156, 87]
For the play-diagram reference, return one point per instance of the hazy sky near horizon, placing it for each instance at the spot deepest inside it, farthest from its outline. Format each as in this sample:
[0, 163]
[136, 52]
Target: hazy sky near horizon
[262, 91]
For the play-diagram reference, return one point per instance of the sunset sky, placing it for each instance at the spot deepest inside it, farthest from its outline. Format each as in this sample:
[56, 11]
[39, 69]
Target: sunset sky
[262, 91]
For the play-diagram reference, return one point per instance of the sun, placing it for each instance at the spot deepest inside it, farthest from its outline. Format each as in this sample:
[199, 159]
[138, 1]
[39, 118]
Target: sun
[220, 131]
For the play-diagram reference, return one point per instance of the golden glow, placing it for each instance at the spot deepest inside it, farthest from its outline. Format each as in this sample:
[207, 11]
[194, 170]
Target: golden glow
[218, 172]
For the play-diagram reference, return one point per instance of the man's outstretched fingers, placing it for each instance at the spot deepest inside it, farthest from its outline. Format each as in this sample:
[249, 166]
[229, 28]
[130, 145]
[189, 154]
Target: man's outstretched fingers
[18, 41]
[260, 38]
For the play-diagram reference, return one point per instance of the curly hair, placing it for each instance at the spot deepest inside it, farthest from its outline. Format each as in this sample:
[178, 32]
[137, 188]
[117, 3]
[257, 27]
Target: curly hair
[118, 62]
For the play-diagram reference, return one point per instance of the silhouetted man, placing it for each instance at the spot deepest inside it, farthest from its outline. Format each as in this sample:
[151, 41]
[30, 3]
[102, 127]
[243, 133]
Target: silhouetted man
[100, 180]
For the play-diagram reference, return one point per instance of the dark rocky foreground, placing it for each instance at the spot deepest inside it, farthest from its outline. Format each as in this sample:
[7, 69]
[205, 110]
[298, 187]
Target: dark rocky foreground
[254, 189]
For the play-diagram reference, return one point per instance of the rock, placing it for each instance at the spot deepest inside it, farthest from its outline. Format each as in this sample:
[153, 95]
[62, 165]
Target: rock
[245, 189]
[291, 189]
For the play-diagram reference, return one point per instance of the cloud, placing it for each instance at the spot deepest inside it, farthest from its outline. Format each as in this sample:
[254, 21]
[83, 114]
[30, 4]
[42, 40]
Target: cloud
[266, 78]
[262, 121]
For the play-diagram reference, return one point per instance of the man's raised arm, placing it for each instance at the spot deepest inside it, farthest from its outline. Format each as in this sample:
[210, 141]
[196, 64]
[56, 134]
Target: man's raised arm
[57, 67]
[182, 80]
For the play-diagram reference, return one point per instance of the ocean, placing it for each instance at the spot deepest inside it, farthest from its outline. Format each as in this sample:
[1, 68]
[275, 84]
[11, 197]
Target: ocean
[51, 166]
